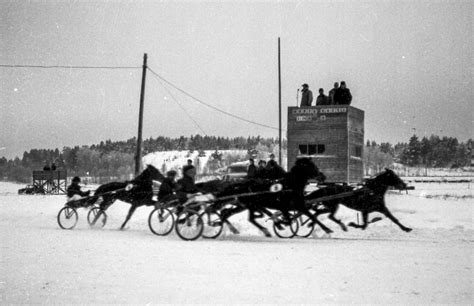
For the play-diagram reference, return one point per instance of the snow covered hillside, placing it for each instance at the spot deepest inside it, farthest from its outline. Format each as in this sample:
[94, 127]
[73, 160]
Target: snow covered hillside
[175, 160]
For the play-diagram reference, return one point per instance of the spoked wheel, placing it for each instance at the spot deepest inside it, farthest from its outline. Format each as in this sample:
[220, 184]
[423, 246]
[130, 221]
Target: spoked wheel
[161, 221]
[189, 225]
[67, 218]
[306, 226]
[96, 217]
[212, 224]
[285, 230]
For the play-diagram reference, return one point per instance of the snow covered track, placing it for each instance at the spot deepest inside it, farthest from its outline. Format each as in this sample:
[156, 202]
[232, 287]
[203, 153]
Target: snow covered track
[41, 263]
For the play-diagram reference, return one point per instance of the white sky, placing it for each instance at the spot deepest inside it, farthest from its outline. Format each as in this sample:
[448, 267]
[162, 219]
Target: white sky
[408, 64]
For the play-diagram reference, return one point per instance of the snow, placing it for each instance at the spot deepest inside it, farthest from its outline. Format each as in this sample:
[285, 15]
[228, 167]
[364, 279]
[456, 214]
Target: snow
[176, 159]
[43, 264]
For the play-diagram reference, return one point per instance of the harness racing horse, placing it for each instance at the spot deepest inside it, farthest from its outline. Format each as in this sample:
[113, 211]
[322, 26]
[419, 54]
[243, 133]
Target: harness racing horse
[368, 199]
[255, 195]
[137, 192]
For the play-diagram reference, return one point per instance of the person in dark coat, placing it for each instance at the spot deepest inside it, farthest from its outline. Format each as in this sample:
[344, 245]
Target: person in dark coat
[46, 167]
[342, 96]
[322, 98]
[188, 166]
[168, 186]
[306, 96]
[252, 169]
[74, 191]
[261, 172]
[186, 185]
[331, 94]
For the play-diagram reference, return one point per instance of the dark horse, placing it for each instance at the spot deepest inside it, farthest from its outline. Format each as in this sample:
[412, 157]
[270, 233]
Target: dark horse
[259, 195]
[368, 199]
[137, 192]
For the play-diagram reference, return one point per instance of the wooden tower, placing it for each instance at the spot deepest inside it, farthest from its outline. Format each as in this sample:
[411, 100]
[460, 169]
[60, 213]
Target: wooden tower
[332, 135]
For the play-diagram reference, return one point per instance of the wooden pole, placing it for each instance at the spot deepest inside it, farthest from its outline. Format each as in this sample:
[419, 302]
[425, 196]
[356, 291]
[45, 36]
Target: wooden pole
[138, 157]
[279, 104]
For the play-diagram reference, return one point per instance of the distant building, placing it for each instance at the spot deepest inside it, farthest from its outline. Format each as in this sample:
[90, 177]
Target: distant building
[333, 136]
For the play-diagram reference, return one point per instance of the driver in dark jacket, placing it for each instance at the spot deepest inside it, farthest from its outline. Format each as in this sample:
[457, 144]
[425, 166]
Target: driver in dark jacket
[168, 186]
[74, 191]
[274, 171]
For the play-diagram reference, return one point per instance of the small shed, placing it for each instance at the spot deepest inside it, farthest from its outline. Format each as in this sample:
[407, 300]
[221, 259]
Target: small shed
[50, 181]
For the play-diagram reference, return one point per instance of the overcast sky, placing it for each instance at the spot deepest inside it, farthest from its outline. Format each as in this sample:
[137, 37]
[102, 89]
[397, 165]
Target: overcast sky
[408, 65]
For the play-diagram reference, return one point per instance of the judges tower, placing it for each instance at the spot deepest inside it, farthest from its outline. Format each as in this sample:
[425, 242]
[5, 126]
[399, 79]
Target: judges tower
[332, 135]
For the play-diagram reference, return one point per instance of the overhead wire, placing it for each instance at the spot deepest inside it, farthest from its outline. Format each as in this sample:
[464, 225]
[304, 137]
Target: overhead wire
[181, 106]
[160, 78]
[68, 67]
[209, 105]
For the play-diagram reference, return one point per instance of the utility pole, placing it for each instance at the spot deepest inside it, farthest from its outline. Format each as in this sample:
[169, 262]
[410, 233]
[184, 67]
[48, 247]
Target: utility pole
[279, 104]
[138, 157]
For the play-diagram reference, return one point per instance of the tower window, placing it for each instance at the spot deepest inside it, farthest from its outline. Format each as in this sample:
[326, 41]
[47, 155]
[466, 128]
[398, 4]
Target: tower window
[312, 149]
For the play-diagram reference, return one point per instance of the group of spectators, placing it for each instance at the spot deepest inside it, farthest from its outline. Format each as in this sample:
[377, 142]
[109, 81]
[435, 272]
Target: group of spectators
[47, 167]
[265, 170]
[339, 95]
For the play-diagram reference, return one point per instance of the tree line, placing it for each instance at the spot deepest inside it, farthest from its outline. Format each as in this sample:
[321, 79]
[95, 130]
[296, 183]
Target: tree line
[429, 152]
[116, 159]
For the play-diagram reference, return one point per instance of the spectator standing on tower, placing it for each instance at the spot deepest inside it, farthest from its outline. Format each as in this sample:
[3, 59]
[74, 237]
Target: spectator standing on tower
[342, 96]
[332, 92]
[306, 96]
[322, 98]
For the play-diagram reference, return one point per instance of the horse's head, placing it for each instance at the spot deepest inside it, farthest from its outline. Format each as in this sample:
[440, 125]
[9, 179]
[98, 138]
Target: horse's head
[306, 169]
[150, 173]
[389, 178]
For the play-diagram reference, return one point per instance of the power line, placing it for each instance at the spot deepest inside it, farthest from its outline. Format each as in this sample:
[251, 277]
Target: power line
[161, 79]
[182, 107]
[208, 105]
[68, 67]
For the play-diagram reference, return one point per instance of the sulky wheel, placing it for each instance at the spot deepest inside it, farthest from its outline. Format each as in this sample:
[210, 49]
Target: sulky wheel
[285, 230]
[67, 217]
[96, 217]
[306, 226]
[212, 224]
[161, 221]
[189, 225]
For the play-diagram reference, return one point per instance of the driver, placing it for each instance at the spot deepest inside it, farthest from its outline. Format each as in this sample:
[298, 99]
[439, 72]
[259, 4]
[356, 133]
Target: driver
[74, 191]
[167, 187]
[274, 171]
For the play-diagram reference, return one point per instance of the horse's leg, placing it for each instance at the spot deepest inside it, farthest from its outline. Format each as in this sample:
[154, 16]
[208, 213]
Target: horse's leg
[103, 205]
[260, 227]
[332, 216]
[315, 220]
[227, 213]
[301, 206]
[365, 217]
[129, 215]
[389, 215]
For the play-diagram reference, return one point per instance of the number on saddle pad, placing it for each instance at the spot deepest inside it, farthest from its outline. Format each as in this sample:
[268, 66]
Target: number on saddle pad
[276, 187]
